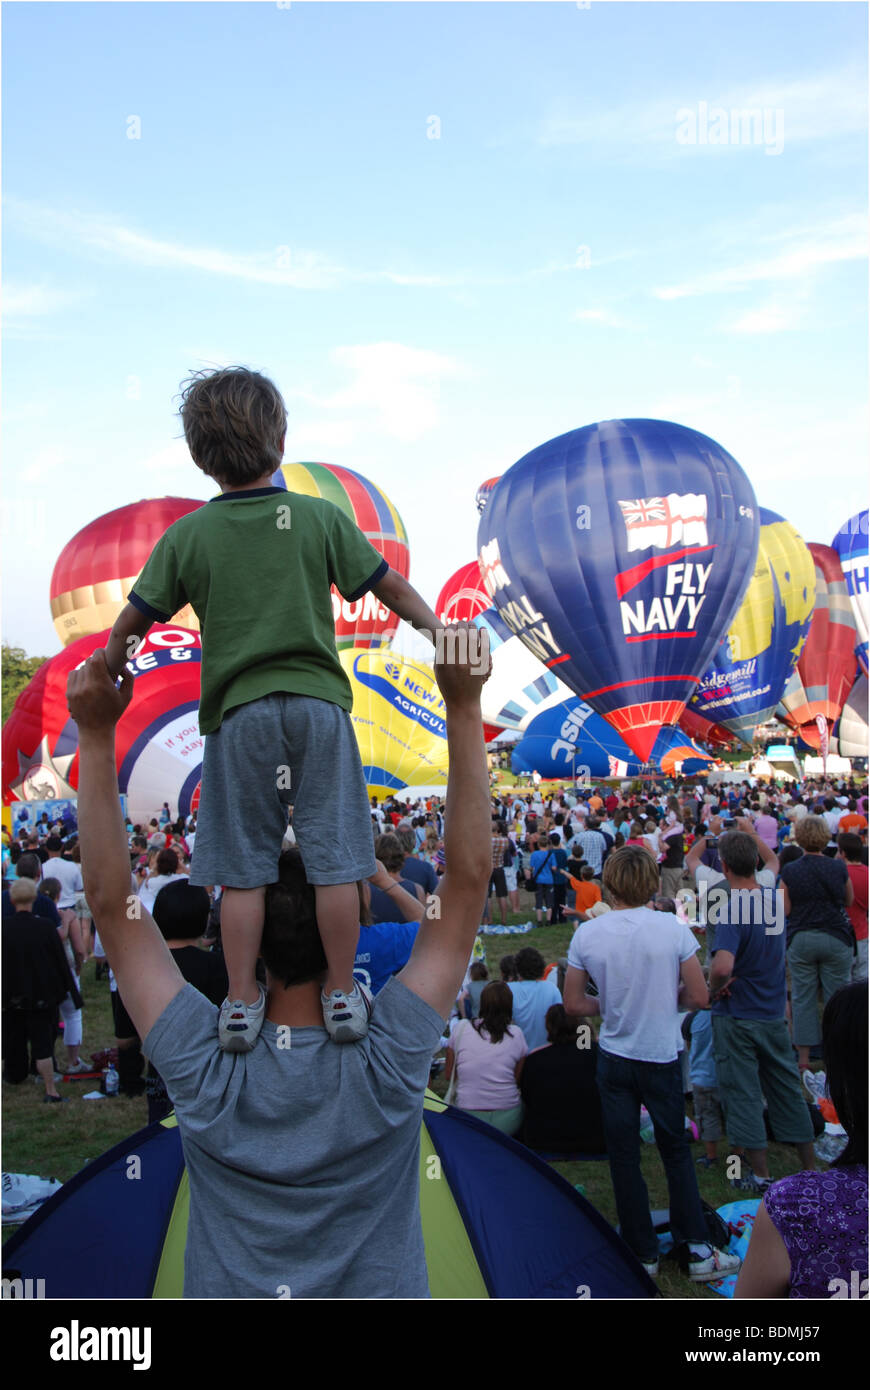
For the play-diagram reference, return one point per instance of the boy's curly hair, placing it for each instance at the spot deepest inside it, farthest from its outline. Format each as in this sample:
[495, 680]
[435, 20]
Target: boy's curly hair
[234, 423]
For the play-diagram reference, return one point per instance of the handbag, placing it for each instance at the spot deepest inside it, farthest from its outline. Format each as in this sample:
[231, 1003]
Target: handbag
[449, 1098]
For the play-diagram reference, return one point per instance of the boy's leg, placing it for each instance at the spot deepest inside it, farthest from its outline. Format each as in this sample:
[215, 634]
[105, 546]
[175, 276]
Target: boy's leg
[662, 1090]
[242, 914]
[338, 922]
[620, 1114]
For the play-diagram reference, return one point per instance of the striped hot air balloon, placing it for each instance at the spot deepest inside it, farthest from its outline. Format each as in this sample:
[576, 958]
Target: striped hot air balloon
[850, 544]
[817, 691]
[103, 1237]
[484, 492]
[364, 622]
[96, 570]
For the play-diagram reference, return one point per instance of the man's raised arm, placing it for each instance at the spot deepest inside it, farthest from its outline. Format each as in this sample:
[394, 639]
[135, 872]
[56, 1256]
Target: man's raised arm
[147, 976]
[446, 938]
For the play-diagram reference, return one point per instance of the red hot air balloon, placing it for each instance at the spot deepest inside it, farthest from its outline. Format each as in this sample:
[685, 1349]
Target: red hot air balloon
[96, 570]
[158, 746]
[817, 691]
[697, 727]
[463, 596]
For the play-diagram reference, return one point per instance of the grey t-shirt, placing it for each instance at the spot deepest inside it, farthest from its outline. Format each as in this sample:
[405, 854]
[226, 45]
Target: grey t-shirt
[303, 1160]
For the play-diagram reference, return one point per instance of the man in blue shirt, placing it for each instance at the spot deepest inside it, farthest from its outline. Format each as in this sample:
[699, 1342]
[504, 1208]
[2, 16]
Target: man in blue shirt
[751, 1043]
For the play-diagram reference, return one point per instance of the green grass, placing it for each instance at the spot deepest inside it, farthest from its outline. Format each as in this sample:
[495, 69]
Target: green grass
[58, 1140]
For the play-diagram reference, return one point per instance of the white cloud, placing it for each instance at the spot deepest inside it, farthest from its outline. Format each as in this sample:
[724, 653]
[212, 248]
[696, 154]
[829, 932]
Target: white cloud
[769, 318]
[400, 383]
[840, 241]
[602, 316]
[32, 301]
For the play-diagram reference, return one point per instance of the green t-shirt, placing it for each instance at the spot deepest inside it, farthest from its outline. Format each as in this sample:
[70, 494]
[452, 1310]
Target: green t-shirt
[256, 568]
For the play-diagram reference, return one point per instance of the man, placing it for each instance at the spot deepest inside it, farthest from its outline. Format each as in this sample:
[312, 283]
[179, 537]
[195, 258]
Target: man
[707, 878]
[36, 978]
[302, 1157]
[592, 845]
[501, 845]
[645, 967]
[417, 870]
[751, 1043]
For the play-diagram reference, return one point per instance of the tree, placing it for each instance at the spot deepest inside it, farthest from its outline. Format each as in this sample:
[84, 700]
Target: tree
[17, 670]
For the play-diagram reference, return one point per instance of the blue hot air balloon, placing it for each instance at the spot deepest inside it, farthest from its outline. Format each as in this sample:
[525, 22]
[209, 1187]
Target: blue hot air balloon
[619, 553]
[850, 544]
[570, 740]
[753, 662]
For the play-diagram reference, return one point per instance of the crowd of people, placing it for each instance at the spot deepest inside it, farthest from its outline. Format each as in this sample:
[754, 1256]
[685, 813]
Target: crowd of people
[295, 1050]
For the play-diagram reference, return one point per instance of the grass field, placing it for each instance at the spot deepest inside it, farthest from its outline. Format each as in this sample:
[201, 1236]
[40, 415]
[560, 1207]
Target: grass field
[58, 1140]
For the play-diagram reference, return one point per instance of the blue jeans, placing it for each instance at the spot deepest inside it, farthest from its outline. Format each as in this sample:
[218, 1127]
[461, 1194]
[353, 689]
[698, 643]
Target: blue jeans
[624, 1085]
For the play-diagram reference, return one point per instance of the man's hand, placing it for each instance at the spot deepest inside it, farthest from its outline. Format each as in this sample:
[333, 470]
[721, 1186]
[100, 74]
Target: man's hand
[465, 666]
[94, 701]
[746, 825]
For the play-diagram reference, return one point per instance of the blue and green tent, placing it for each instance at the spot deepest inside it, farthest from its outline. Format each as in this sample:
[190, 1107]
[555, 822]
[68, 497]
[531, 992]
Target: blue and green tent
[498, 1222]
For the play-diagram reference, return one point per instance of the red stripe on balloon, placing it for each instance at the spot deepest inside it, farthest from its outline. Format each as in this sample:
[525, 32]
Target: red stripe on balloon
[641, 680]
[661, 637]
[629, 578]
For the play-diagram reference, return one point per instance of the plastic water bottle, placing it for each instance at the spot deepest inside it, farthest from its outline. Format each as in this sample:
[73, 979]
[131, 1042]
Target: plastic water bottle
[112, 1080]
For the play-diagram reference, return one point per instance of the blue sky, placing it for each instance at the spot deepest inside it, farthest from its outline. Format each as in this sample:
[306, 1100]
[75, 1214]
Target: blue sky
[432, 308]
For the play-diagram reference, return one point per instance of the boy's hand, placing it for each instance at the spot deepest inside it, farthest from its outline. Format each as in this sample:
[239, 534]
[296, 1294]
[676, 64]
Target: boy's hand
[462, 663]
[381, 879]
[93, 699]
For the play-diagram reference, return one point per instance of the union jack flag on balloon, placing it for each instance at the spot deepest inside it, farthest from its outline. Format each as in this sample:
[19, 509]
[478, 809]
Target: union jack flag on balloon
[619, 553]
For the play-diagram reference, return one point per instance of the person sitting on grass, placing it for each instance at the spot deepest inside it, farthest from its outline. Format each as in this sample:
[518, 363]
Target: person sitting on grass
[488, 1056]
[560, 1096]
[645, 967]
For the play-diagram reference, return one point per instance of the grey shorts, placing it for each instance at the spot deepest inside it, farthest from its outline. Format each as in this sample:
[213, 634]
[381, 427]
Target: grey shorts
[283, 750]
[708, 1112]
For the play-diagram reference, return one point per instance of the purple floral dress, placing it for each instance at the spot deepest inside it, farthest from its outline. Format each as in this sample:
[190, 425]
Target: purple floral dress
[822, 1219]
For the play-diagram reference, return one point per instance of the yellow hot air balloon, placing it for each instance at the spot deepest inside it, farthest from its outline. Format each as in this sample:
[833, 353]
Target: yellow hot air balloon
[749, 672]
[399, 720]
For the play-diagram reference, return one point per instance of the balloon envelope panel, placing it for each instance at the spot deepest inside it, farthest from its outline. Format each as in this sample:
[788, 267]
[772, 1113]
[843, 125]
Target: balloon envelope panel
[96, 570]
[399, 721]
[826, 669]
[619, 553]
[519, 686]
[364, 622]
[851, 545]
[753, 662]
[463, 596]
[158, 746]
[852, 733]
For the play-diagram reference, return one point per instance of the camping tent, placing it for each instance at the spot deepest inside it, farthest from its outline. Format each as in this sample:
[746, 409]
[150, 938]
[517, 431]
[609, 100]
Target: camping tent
[498, 1222]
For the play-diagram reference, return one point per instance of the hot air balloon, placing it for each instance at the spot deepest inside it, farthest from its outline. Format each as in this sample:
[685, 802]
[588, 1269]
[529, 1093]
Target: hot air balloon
[398, 719]
[158, 746]
[364, 622]
[519, 686]
[570, 740]
[484, 492]
[697, 727]
[851, 740]
[816, 693]
[850, 544]
[619, 553]
[96, 570]
[463, 596]
[753, 662]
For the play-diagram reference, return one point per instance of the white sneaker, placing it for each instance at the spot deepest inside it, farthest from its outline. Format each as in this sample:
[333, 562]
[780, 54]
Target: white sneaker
[239, 1023]
[652, 1270]
[716, 1265]
[347, 1015]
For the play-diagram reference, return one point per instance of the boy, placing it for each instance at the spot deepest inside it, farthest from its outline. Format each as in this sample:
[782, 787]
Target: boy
[256, 564]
